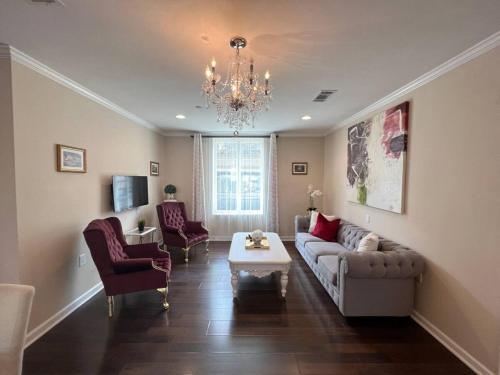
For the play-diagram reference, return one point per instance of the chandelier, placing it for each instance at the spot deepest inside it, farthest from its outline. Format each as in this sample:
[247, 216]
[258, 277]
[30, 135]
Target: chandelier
[241, 96]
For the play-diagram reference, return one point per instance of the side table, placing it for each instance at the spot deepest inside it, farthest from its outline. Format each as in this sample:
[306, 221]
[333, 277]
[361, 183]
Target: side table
[136, 233]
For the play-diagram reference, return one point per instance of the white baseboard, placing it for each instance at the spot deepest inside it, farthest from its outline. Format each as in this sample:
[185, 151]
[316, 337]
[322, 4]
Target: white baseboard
[451, 345]
[46, 326]
[221, 238]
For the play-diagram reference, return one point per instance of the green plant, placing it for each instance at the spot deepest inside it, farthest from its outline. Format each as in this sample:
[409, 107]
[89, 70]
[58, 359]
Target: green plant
[362, 192]
[170, 189]
[141, 224]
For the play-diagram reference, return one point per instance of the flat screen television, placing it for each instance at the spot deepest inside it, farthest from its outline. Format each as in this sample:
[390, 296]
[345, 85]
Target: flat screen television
[129, 192]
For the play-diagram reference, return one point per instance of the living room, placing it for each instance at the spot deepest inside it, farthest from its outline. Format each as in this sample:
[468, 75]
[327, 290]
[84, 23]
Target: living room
[331, 208]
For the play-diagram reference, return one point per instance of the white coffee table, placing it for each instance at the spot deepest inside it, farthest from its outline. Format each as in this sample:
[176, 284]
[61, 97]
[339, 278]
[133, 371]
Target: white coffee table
[259, 263]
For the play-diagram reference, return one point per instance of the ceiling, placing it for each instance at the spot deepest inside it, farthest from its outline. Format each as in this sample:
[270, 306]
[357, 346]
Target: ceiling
[148, 56]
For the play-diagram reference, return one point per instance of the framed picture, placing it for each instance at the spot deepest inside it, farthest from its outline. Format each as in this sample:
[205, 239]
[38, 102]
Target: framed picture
[376, 159]
[154, 168]
[299, 168]
[71, 159]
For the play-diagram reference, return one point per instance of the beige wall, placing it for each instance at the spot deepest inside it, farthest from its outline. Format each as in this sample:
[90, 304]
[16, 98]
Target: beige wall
[9, 270]
[177, 159]
[292, 190]
[452, 205]
[53, 208]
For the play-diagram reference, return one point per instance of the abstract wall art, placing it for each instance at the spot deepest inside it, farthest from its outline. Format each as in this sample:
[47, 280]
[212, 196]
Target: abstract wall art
[376, 159]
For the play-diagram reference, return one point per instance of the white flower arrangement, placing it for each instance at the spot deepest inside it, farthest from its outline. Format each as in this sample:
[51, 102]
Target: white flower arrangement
[313, 193]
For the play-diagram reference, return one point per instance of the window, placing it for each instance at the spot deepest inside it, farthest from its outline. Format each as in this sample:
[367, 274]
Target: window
[238, 179]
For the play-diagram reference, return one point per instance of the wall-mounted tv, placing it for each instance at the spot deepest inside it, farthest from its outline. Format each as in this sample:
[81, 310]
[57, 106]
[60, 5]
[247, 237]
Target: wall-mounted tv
[129, 192]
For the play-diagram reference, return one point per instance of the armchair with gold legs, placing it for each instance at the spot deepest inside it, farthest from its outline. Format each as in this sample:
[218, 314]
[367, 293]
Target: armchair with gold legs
[126, 268]
[177, 230]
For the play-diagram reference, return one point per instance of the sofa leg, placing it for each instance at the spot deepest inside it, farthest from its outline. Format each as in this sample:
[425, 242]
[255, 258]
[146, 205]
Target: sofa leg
[165, 303]
[186, 255]
[207, 242]
[111, 306]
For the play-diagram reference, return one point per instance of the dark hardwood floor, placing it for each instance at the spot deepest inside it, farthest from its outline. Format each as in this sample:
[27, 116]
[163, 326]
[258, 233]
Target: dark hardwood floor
[205, 332]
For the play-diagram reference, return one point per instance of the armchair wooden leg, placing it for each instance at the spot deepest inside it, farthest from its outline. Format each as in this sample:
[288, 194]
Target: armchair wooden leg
[165, 303]
[111, 306]
[186, 254]
[207, 242]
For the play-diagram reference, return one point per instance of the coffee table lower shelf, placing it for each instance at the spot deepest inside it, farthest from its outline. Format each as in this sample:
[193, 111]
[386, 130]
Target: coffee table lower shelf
[260, 272]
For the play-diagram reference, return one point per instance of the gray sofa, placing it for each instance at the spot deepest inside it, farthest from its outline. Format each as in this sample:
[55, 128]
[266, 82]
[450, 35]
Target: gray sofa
[370, 283]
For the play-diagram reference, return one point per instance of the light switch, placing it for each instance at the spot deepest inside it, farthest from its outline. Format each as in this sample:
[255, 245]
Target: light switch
[367, 218]
[82, 260]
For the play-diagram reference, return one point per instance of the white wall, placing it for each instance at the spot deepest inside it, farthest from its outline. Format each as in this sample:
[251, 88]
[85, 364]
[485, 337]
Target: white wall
[53, 208]
[9, 268]
[452, 212]
[292, 189]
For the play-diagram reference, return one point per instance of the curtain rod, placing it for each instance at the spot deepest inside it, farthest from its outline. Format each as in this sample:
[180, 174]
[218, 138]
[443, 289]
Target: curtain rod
[235, 136]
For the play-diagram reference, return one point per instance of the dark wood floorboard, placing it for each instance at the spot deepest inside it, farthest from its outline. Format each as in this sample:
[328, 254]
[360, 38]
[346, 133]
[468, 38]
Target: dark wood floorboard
[206, 332]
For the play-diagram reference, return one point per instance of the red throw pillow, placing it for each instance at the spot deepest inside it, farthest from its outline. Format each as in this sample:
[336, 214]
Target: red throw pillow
[326, 230]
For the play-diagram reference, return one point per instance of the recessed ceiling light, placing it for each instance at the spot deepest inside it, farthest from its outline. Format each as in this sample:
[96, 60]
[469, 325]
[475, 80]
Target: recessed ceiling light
[180, 117]
[306, 117]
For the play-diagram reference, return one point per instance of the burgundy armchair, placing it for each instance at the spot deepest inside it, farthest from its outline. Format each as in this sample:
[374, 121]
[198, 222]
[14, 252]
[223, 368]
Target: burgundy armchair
[177, 230]
[126, 268]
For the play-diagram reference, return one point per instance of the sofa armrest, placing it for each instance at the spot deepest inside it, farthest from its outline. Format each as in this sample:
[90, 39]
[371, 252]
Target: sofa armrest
[132, 265]
[172, 229]
[397, 264]
[146, 250]
[195, 227]
[301, 223]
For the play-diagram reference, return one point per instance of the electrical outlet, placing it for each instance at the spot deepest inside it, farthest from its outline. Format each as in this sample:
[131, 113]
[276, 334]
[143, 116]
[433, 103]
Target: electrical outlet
[82, 260]
[367, 218]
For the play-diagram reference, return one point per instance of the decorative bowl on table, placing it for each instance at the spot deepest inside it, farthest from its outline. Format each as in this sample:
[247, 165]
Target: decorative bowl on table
[257, 236]
[256, 241]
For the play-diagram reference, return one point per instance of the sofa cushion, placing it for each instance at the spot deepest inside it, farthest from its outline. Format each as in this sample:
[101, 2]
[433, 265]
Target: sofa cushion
[368, 243]
[328, 267]
[314, 219]
[195, 238]
[317, 249]
[325, 229]
[304, 237]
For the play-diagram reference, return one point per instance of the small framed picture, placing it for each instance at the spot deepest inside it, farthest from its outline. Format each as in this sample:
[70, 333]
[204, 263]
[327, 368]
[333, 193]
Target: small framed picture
[299, 168]
[71, 159]
[154, 168]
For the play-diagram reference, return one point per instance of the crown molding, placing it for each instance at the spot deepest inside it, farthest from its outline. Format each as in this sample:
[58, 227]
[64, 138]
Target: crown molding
[37, 66]
[475, 51]
[301, 135]
[4, 51]
[244, 134]
[177, 134]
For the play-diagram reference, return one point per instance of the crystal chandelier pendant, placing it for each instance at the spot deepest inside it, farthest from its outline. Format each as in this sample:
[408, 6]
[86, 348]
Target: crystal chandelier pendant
[242, 95]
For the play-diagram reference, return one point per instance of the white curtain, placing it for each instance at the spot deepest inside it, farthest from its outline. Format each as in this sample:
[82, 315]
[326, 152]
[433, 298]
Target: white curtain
[272, 220]
[199, 210]
[256, 176]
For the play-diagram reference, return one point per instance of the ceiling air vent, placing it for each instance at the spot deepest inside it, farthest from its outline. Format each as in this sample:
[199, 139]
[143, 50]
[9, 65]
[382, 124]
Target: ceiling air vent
[323, 95]
[47, 2]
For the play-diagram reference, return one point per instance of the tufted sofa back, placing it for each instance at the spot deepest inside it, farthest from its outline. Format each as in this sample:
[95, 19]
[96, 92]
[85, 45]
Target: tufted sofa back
[104, 244]
[172, 214]
[349, 236]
